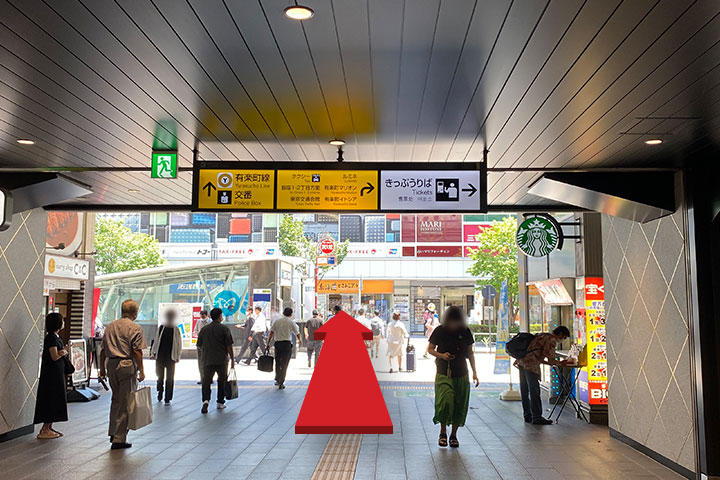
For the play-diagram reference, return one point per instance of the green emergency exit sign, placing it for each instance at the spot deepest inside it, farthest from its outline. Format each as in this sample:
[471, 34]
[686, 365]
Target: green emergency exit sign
[164, 165]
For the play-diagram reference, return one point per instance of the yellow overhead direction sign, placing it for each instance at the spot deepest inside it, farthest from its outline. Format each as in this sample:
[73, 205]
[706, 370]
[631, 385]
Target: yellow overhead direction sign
[234, 189]
[327, 190]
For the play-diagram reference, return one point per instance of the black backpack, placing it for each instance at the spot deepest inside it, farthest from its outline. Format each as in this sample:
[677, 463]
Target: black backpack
[517, 347]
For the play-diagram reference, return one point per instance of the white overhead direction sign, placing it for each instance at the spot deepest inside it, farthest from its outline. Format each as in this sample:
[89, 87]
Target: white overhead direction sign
[423, 190]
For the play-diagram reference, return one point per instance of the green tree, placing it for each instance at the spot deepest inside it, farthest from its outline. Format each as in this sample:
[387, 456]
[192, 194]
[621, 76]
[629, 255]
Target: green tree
[496, 259]
[119, 249]
[294, 243]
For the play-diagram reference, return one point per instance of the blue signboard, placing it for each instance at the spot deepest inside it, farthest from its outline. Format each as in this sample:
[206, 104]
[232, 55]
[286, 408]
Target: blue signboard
[502, 359]
[229, 301]
[193, 288]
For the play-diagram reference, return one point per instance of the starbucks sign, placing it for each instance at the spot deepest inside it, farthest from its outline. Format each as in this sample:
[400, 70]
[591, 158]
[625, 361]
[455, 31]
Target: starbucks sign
[538, 236]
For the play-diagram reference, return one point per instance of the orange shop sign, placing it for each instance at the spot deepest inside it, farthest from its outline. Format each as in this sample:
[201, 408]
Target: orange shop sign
[353, 286]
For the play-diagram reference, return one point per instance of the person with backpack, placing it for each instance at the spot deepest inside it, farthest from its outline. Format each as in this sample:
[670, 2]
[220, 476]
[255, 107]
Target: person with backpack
[451, 343]
[529, 354]
[313, 346]
[377, 326]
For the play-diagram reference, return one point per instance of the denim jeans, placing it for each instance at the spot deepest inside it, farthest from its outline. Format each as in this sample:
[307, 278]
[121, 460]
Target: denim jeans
[530, 394]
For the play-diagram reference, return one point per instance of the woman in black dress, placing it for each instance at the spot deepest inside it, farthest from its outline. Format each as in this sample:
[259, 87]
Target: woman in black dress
[51, 405]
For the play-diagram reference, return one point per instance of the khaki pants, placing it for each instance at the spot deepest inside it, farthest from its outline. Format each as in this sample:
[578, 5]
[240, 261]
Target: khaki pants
[375, 345]
[122, 374]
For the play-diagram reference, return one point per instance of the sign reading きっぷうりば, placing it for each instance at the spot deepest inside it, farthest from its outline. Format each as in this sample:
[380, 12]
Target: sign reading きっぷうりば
[443, 190]
[319, 186]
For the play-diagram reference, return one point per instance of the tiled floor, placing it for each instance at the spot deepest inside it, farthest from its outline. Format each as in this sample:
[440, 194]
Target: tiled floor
[254, 439]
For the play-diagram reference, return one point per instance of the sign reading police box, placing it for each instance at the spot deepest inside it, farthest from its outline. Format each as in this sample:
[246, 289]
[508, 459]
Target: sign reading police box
[441, 190]
[332, 187]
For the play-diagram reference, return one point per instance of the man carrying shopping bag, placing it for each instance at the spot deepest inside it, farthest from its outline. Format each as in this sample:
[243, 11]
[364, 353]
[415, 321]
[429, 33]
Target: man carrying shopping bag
[122, 348]
[140, 408]
[216, 342]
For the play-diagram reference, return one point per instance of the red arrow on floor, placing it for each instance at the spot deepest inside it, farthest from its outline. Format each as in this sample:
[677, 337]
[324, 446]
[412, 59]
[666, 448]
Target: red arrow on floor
[344, 395]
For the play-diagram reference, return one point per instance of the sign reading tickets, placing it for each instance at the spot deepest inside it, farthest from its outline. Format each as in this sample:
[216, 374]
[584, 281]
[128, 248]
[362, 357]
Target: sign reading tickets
[418, 190]
[236, 189]
[327, 190]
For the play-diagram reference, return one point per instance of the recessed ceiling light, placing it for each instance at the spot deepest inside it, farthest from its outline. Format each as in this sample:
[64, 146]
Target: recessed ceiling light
[133, 190]
[337, 142]
[299, 12]
[25, 141]
[653, 141]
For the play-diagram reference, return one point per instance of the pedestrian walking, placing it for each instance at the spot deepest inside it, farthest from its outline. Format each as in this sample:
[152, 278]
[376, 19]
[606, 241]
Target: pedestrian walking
[452, 346]
[204, 320]
[122, 347]
[378, 330]
[430, 325]
[51, 404]
[282, 331]
[216, 342]
[313, 346]
[259, 329]
[246, 333]
[540, 350]
[396, 334]
[166, 350]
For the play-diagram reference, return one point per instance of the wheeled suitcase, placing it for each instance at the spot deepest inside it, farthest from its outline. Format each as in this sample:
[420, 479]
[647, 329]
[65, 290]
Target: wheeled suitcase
[410, 350]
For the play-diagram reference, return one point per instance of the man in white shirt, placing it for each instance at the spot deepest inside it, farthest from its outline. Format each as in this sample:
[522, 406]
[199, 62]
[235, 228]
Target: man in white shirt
[258, 334]
[365, 323]
[378, 328]
[204, 320]
[282, 331]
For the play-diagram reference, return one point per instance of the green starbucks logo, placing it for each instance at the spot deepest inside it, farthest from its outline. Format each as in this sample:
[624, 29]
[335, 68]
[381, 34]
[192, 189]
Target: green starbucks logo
[537, 236]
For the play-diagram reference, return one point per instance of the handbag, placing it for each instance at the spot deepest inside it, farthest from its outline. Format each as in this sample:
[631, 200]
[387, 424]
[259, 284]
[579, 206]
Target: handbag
[231, 386]
[266, 363]
[69, 367]
[140, 408]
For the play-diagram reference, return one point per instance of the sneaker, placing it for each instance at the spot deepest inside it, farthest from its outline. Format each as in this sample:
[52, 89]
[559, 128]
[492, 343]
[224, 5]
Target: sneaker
[542, 421]
[120, 446]
[281, 387]
[167, 403]
[221, 406]
[204, 408]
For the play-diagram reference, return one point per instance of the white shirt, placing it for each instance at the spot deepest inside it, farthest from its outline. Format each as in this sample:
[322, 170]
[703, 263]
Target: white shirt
[283, 329]
[364, 320]
[260, 325]
[396, 331]
[201, 323]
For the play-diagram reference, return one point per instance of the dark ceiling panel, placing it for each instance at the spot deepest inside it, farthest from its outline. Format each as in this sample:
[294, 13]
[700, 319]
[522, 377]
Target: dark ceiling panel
[561, 84]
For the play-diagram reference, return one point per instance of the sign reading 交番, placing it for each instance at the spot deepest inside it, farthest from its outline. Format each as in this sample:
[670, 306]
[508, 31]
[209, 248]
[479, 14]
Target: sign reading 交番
[233, 189]
[319, 186]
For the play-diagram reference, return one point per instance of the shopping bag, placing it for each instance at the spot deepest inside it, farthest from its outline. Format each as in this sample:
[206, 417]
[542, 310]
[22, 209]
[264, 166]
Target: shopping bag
[265, 363]
[231, 386]
[140, 408]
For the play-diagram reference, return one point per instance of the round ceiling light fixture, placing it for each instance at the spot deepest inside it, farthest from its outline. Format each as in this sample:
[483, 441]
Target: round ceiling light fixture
[337, 142]
[653, 141]
[25, 141]
[299, 12]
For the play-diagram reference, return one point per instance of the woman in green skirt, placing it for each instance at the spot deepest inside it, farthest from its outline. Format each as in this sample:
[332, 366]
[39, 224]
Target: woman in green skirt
[452, 345]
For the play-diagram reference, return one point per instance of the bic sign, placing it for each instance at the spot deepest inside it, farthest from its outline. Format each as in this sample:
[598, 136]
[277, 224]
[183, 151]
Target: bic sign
[164, 165]
[327, 246]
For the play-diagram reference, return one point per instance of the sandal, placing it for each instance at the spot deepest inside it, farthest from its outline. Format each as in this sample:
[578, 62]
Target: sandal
[454, 442]
[52, 429]
[442, 440]
[47, 435]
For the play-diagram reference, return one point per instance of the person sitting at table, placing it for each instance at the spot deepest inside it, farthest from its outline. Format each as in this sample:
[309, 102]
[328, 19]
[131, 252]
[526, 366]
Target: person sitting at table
[540, 350]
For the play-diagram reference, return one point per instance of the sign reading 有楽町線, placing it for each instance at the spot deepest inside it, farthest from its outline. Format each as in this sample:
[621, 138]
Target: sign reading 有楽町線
[538, 236]
[320, 186]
